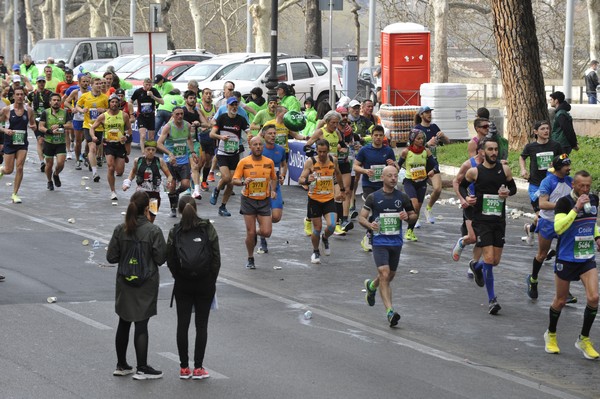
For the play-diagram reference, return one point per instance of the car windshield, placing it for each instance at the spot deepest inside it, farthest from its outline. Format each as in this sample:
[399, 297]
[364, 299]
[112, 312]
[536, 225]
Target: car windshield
[57, 50]
[198, 72]
[246, 72]
[92, 65]
[144, 72]
[137, 63]
[116, 63]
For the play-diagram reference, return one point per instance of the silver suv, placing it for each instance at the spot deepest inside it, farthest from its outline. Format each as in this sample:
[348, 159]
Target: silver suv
[309, 75]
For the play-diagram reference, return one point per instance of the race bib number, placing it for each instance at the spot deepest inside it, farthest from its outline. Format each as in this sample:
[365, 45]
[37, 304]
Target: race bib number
[59, 137]
[94, 114]
[146, 108]
[179, 149]
[114, 135]
[492, 205]
[377, 171]
[389, 223]
[584, 247]
[18, 137]
[418, 173]
[281, 139]
[324, 185]
[257, 187]
[231, 146]
[544, 160]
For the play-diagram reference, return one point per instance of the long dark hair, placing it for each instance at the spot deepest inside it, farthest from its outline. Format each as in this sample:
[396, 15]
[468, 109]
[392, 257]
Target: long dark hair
[138, 203]
[322, 109]
[188, 211]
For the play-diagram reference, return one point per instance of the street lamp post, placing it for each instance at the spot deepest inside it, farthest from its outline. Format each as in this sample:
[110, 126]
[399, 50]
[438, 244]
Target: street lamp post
[272, 82]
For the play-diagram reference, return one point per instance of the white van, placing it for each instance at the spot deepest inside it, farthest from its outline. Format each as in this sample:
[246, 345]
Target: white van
[74, 51]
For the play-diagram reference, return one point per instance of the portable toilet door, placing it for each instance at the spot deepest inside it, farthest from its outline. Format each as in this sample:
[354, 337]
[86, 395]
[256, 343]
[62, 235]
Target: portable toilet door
[405, 64]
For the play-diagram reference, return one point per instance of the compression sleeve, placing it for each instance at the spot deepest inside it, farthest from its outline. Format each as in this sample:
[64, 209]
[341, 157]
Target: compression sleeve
[433, 163]
[463, 189]
[400, 162]
[512, 187]
[562, 221]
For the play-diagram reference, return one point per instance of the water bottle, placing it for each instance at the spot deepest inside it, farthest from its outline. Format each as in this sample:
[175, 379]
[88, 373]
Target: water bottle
[96, 244]
[376, 232]
[587, 207]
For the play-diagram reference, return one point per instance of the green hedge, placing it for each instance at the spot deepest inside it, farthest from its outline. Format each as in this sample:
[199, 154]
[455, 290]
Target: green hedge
[588, 158]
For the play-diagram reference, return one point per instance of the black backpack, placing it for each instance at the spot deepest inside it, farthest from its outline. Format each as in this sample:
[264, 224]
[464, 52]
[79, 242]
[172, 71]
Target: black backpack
[194, 252]
[133, 267]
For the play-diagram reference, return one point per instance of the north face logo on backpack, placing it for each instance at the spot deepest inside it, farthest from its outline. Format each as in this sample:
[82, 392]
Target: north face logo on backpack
[198, 239]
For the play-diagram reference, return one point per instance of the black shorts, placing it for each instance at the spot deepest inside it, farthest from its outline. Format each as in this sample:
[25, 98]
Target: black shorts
[316, 209]
[249, 206]
[468, 214]
[146, 121]
[208, 147]
[415, 189]
[489, 233]
[387, 256]
[88, 137]
[179, 172]
[345, 168]
[570, 271]
[368, 190]
[117, 150]
[229, 161]
[51, 150]
[12, 149]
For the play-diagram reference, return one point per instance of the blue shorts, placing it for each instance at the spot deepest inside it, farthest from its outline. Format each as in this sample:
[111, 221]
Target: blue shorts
[570, 271]
[277, 203]
[77, 125]
[545, 228]
[387, 256]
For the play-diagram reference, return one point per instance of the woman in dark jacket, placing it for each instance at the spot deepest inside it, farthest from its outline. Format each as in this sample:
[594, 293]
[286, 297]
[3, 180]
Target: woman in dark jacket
[136, 304]
[193, 293]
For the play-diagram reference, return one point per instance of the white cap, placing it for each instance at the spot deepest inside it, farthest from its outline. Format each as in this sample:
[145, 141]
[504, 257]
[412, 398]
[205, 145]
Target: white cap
[353, 104]
[16, 78]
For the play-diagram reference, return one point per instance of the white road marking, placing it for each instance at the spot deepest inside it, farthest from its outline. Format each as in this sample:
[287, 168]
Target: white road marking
[78, 317]
[213, 374]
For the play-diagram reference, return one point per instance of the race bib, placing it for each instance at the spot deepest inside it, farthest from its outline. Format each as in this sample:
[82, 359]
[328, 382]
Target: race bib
[257, 187]
[146, 108]
[583, 247]
[544, 160]
[179, 149]
[389, 223]
[377, 171]
[281, 139]
[59, 137]
[418, 173]
[232, 145]
[114, 135]
[324, 185]
[94, 114]
[492, 205]
[18, 137]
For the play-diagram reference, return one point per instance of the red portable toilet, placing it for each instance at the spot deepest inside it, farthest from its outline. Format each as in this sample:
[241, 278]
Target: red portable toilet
[404, 62]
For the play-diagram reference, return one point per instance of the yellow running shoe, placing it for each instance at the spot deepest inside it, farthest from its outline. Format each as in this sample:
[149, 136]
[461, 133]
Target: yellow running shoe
[307, 226]
[551, 343]
[339, 231]
[586, 347]
[15, 199]
[410, 235]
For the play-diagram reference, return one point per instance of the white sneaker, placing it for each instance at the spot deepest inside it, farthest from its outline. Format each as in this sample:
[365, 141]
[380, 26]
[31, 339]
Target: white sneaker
[69, 155]
[113, 196]
[528, 234]
[197, 194]
[315, 259]
[429, 216]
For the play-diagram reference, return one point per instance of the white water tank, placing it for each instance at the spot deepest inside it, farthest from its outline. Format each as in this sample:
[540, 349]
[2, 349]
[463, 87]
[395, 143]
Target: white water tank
[449, 104]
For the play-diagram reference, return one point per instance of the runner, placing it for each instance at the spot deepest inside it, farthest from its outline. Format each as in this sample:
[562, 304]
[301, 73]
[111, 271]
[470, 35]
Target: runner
[208, 145]
[72, 95]
[257, 174]
[575, 223]
[146, 97]
[387, 208]
[319, 174]
[53, 122]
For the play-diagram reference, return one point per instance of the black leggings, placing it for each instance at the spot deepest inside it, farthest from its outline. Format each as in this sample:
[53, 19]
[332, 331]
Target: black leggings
[140, 341]
[186, 301]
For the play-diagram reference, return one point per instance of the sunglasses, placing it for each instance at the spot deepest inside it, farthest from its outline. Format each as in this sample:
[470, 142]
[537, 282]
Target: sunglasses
[484, 126]
[344, 115]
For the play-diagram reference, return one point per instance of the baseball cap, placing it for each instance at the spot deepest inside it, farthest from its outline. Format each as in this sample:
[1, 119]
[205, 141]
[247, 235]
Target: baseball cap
[16, 67]
[158, 78]
[16, 78]
[68, 71]
[232, 100]
[40, 79]
[560, 160]
[119, 91]
[150, 143]
[424, 108]
[353, 104]
[114, 97]
[341, 110]
[273, 98]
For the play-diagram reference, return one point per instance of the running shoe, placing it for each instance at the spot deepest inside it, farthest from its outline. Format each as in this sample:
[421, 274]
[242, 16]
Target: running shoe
[185, 373]
[113, 196]
[1, 173]
[339, 231]
[393, 318]
[429, 215]
[528, 234]
[15, 199]
[197, 194]
[211, 177]
[457, 250]
[571, 298]
[200, 374]
[532, 284]
[307, 227]
[325, 244]
[365, 244]
[410, 235]
[469, 273]
[418, 225]
[69, 155]
[204, 186]
[551, 345]
[78, 165]
[550, 255]
[126, 158]
[147, 373]
[50, 186]
[173, 212]
[121, 371]
[586, 347]
[494, 307]
[56, 179]
[223, 211]
[42, 167]
[96, 177]
[263, 249]
[250, 264]
[370, 295]
[2, 278]
[315, 258]
[347, 226]
[353, 213]
[99, 162]
[214, 196]
[477, 274]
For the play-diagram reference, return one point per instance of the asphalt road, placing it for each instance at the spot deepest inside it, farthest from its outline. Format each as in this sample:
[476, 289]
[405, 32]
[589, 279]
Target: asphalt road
[260, 345]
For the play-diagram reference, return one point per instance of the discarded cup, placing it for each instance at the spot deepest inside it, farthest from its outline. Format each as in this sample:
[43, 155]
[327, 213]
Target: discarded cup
[96, 244]
[277, 267]
[9, 184]
[71, 220]
[115, 203]
[51, 299]
[413, 271]
[308, 315]
[88, 188]
[85, 242]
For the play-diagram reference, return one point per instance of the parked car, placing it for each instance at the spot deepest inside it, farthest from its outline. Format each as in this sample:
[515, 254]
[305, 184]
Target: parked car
[188, 55]
[309, 76]
[116, 63]
[169, 69]
[93, 65]
[137, 63]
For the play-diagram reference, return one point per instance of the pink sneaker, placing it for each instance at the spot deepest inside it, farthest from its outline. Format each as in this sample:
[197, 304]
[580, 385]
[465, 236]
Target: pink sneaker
[185, 373]
[200, 374]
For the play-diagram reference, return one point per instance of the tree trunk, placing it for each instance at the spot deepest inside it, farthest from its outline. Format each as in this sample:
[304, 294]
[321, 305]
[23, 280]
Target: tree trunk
[165, 6]
[96, 22]
[593, 7]
[522, 78]
[261, 15]
[55, 15]
[198, 23]
[314, 33]
[22, 30]
[440, 40]
[47, 26]
[32, 27]
[108, 15]
[355, 8]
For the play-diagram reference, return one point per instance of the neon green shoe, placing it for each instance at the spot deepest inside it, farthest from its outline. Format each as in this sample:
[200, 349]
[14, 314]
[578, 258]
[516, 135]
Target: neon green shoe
[410, 235]
[15, 199]
[587, 348]
[551, 343]
[370, 295]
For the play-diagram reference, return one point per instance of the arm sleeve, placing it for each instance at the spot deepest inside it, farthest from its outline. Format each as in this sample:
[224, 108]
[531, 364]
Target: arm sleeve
[463, 188]
[400, 161]
[432, 163]
[512, 187]
[562, 221]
